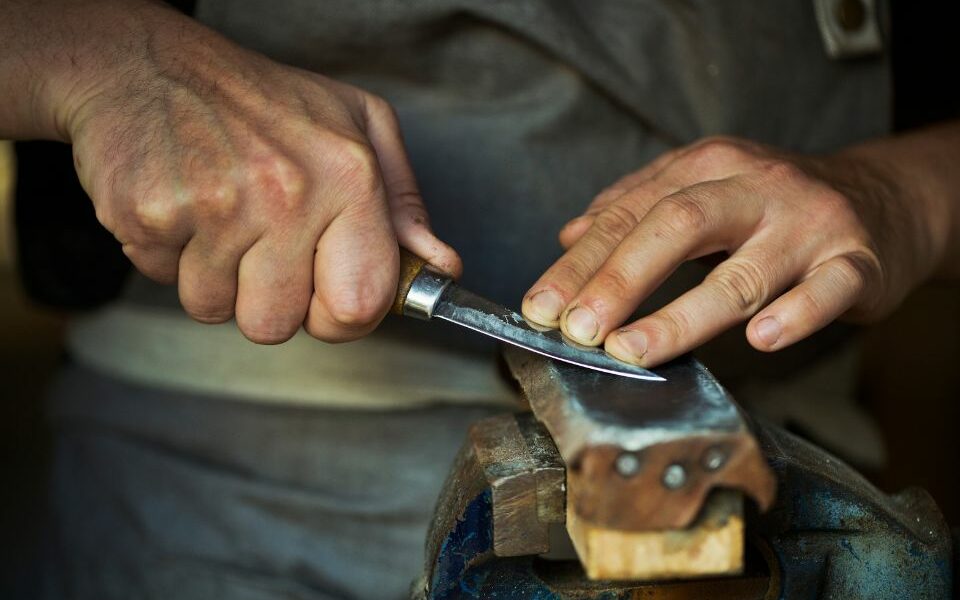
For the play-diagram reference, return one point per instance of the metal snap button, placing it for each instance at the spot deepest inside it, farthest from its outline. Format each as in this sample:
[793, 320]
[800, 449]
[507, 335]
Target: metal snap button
[850, 14]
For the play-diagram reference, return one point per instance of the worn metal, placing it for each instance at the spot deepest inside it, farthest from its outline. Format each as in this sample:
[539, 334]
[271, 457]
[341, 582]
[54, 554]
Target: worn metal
[669, 427]
[834, 535]
[509, 475]
[830, 534]
[674, 477]
[432, 295]
[849, 28]
[424, 293]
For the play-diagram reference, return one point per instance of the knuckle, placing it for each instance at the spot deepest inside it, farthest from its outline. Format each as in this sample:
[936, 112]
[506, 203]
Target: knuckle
[410, 203]
[718, 150]
[808, 304]
[834, 207]
[683, 213]
[105, 215]
[856, 270]
[356, 309]
[154, 215]
[571, 270]
[210, 315]
[613, 281]
[355, 166]
[743, 285]
[206, 305]
[161, 271]
[380, 109]
[605, 197]
[218, 203]
[783, 171]
[267, 332]
[275, 179]
[668, 326]
[614, 222]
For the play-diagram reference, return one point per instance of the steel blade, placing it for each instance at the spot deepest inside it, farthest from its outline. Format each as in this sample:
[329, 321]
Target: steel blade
[467, 309]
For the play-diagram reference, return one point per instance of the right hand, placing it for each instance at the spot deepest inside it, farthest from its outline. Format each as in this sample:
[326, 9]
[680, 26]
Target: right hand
[266, 192]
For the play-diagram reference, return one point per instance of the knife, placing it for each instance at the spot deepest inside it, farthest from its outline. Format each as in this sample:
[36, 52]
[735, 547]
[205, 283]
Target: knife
[425, 293]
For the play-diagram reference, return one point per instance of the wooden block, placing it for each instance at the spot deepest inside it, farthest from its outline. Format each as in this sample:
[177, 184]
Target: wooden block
[712, 545]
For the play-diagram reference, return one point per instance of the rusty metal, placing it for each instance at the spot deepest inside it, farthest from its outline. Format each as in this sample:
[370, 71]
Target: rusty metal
[505, 490]
[829, 534]
[512, 459]
[673, 425]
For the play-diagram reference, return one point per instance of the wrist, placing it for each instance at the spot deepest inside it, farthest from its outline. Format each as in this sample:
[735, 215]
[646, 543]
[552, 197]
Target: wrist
[915, 200]
[103, 45]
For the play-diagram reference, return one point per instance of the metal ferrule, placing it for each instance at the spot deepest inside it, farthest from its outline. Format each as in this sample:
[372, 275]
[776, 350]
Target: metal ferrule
[424, 294]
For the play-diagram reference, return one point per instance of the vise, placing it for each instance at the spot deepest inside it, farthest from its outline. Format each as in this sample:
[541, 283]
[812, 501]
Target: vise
[666, 491]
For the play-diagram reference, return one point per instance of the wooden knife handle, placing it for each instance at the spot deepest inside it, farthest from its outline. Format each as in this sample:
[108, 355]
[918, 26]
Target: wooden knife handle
[410, 267]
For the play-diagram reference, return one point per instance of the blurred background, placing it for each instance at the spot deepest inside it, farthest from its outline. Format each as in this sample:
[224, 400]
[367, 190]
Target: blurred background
[910, 382]
[30, 349]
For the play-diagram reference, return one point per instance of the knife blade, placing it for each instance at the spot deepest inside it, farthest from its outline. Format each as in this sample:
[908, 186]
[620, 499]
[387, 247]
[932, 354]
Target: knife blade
[424, 293]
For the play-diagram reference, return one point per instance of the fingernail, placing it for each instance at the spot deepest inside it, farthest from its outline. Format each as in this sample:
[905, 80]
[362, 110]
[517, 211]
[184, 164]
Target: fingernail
[582, 325]
[634, 342]
[769, 330]
[546, 307]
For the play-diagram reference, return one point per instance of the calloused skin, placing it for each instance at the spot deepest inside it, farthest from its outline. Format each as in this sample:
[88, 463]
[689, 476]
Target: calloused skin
[279, 197]
[808, 240]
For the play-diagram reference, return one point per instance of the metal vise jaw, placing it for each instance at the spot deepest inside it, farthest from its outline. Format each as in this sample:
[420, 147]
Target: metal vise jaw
[829, 533]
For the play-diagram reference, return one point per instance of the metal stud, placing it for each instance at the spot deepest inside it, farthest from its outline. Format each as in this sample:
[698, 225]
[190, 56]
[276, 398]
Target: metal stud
[674, 476]
[713, 458]
[627, 464]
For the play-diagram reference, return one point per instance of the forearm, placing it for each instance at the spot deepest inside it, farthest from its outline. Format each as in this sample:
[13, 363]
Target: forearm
[55, 53]
[925, 165]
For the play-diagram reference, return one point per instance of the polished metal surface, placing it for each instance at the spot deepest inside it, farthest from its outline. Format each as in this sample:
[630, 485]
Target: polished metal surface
[424, 293]
[465, 308]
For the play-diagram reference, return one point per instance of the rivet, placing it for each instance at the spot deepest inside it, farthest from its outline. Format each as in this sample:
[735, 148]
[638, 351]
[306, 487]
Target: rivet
[713, 458]
[674, 476]
[627, 464]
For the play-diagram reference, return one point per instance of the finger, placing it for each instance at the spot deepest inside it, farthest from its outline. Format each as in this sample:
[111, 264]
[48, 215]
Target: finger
[829, 292]
[575, 228]
[730, 294]
[411, 223]
[708, 159]
[274, 286]
[699, 220]
[207, 281]
[152, 234]
[555, 289]
[633, 179]
[355, 271]
[160, 264]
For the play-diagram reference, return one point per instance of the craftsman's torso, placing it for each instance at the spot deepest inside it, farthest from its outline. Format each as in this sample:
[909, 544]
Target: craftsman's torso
[516, 113]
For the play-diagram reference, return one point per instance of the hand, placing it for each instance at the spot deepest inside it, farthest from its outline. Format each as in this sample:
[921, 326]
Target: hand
[265, 192]
[809, 240]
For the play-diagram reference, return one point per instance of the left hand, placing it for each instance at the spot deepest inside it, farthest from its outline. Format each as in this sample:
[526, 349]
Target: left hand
[809, 239]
